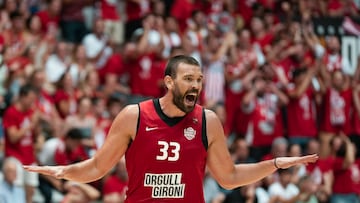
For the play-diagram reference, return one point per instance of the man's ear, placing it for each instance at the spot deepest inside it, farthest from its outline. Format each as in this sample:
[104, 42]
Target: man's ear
[168, 82]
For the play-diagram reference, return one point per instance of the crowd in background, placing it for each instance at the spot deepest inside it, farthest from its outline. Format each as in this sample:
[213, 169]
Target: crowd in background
[68, 67]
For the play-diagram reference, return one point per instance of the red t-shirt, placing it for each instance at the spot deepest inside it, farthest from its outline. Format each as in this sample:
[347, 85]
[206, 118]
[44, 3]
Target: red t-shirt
[114, 185]
[135, 10]
[47, 21]
[182, 10]
[109, 10]
[64, 157]
[302, 110]
[114, 65]
[167, 158]
[145, 75]
[347, 180]
[336, 5]
[337, 111]
[23, 149]
[265, 120]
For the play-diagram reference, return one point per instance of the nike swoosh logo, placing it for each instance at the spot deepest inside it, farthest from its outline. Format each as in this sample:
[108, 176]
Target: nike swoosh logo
[150, 128]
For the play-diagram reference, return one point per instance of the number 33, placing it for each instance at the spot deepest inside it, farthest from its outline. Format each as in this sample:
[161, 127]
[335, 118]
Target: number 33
[171, 154]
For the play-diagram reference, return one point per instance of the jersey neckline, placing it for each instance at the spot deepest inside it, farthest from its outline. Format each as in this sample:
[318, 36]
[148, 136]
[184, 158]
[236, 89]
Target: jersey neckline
[171, 121]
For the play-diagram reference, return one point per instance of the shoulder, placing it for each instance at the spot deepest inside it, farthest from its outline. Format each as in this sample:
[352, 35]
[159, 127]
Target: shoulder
[131, 110]
[214, 127]
[128, 118]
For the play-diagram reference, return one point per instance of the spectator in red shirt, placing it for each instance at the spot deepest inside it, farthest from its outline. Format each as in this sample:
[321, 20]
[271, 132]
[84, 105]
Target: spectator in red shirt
[50, 17]
[301, 107]
[72, 20]
[240, 71]
[340, 8]
[346, 173]
[262, 103]
[182, 10]
[337, 105]
[70, 150]
[115, 185]
[20, 121]
[135, 11]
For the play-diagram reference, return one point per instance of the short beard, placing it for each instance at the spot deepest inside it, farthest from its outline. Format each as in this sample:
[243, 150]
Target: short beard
[178, 100]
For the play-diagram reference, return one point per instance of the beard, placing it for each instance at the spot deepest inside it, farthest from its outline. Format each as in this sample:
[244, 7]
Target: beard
[179, 99]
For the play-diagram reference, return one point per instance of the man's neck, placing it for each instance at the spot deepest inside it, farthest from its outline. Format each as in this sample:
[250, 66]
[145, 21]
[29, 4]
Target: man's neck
[169, 108]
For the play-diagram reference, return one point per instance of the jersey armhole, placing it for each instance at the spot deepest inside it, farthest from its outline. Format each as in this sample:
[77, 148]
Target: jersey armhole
[203, 129]
[138, 120]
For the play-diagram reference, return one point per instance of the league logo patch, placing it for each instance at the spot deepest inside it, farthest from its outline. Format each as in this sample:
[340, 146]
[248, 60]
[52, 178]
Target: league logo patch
[189, 133]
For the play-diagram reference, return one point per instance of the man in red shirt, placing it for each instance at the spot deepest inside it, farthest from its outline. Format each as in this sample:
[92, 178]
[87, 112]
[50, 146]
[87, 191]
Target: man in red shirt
[50, 17]
[346, 172]
[20, 121]
[262, 103]
[167, 143]
[301, 107]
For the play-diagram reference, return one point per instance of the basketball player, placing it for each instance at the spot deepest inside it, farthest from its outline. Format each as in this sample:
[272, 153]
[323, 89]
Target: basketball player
[167, 143]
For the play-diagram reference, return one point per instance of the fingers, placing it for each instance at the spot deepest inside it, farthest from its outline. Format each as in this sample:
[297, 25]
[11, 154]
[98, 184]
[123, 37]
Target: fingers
[39, 169]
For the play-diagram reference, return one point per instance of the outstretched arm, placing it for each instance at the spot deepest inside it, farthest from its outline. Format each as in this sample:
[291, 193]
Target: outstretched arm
[121, 132]
[231, 176]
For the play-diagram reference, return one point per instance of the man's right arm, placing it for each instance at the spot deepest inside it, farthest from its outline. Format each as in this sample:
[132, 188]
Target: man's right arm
[122, 131]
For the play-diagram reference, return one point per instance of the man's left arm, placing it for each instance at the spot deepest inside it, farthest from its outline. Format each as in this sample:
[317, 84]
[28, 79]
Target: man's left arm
[231, 176]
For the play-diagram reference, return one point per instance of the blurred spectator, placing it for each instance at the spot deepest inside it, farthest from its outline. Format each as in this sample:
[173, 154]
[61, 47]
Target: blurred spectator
[97, 44]
[346, 172]
[65, 97]
[90, 86]
[261, 37]
[72, 20]
[8, 6]
[337, 104]
[49, 117]
[33, 32]
[55, 151]
[263, 103]
[333, 59]
[214, 67]
[58, 63]
[115, 186]
[9, 191]
[320, 172]
[171, 37]
[244, 194]
[84, 121]
[284, 190]
[80, 66]
[339, 8]
[80, 193]
[279, 147]
[20, 121]
[241, 69]
[114, 26]
[196, 33]
[307, 189]
[183, 11]
[295, 150]
[135, 11]
[50, 16]
[144, 62]
[14, 38]
[302, 106]
[212, 191]
[240, 151]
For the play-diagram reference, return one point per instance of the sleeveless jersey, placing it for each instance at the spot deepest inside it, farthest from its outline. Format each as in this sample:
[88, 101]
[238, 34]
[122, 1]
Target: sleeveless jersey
[166, 160]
